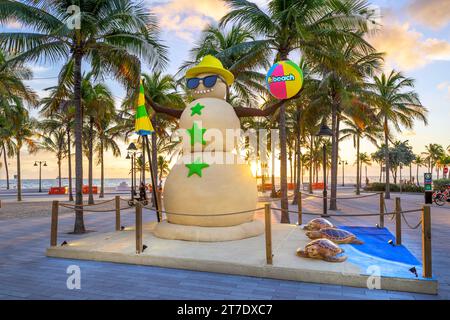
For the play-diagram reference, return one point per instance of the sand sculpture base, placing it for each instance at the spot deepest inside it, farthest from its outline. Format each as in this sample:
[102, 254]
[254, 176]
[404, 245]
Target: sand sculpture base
[171, 231]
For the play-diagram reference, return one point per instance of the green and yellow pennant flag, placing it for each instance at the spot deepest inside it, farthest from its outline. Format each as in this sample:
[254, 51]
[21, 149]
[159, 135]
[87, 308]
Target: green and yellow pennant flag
[143, 126]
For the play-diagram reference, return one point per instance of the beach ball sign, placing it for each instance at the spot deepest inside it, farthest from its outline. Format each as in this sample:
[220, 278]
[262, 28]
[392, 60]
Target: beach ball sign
[284, 80]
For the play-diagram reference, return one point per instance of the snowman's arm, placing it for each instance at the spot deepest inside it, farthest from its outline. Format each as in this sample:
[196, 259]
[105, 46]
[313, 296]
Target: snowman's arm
[242, 112]
[176, 113]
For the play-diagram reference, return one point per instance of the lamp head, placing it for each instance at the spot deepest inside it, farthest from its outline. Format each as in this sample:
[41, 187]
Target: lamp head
[35, 164]
[132, 147]
[45, 163]
[324, 131]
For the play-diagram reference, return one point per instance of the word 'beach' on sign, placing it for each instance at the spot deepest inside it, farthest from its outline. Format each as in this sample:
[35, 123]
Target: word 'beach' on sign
[284, 79]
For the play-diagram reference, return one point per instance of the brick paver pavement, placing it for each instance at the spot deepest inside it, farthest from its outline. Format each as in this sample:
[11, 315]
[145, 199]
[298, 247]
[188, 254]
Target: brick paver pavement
[26, 273]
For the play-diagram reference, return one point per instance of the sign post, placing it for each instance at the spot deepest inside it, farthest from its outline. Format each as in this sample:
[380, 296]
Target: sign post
[428, 182]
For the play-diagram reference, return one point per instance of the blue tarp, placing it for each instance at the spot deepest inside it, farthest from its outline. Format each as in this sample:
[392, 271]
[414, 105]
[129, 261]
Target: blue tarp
[376, 245]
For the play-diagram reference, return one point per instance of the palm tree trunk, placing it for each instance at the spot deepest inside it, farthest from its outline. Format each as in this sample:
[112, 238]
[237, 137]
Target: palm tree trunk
[154, 162]
[334, 156]
[386, 160]
[283, 166]
[273, 193]
[360, 175]
[91, 159]
[79, 219]
[417, 175]
[298, 165]
[69, 159]
[59, 172]
[311, 147]
[410, 172]
[102, 171]
[291, 168]
[358, 171]
[6, 165]
[381, 171]
[367, 180]
[19, 178]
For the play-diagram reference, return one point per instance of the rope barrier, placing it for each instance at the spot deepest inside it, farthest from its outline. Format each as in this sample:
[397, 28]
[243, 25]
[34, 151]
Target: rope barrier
[346, 215]
[90, 210]
[406, 221]
[260, 199]
[86, 205]
[203, 215]
[340, 198]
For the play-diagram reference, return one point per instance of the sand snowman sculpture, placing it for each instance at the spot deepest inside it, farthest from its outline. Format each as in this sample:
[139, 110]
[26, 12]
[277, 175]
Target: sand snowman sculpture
[210, 181]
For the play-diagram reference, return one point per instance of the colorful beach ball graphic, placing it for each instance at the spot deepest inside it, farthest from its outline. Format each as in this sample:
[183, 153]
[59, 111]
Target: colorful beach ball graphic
[284, 79]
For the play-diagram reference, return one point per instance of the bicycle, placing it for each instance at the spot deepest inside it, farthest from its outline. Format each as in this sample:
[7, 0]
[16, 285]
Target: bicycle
[440, 197]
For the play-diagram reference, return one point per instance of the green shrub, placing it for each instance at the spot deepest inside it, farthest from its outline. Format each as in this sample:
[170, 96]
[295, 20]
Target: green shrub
[378, 187]
[412, 188]
[440, 183]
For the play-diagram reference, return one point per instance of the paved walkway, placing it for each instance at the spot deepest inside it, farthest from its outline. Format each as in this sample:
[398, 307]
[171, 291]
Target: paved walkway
[26, 273]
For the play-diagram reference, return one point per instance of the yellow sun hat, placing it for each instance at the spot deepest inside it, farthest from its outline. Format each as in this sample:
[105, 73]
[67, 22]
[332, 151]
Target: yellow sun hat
[211, 64]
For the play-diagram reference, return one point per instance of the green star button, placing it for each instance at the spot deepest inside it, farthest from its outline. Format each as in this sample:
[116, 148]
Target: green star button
[196, 134]
[196, 168]
[197, 109]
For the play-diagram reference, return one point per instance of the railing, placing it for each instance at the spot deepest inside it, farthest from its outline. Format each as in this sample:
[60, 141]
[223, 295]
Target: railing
[398, 214]
[85, 208]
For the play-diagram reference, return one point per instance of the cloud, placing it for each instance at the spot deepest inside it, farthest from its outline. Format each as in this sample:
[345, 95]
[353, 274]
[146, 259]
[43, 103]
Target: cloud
[409, 133]
[186, 17]
[38, 68]
[13, 24]
[407, 48]
[432, 13]
[444, 86]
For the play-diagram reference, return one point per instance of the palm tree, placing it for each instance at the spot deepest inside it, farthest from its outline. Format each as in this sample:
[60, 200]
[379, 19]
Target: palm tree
[106, 135]
[98, 106]
[12, 88]
[433, 152]
[239, 53]
[11, 81]
[379, 159]
[22, 132]
[345, 70]
[396, 107]
[163, 168]
[364, 158]
[58, 108]
[6, 142]
[160, 89]
[419, 161]
[358, 126]
[443, 162]
[111, 35]
[291, 25]
[53, 139]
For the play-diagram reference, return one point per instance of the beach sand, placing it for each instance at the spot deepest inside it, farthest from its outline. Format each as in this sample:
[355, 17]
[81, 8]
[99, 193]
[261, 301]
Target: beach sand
[31, 209]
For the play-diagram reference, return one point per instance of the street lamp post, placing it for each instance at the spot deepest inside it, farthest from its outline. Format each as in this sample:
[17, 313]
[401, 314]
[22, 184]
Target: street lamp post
[343, 163]
[131, 155]
[325, 131]
[40, 172]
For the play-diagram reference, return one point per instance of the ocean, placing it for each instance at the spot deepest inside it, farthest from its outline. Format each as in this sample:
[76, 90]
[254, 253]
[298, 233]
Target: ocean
[47, 183]
[112, 183]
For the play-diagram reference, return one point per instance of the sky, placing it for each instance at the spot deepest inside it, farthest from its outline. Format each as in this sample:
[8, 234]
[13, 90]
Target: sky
[415, 36]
